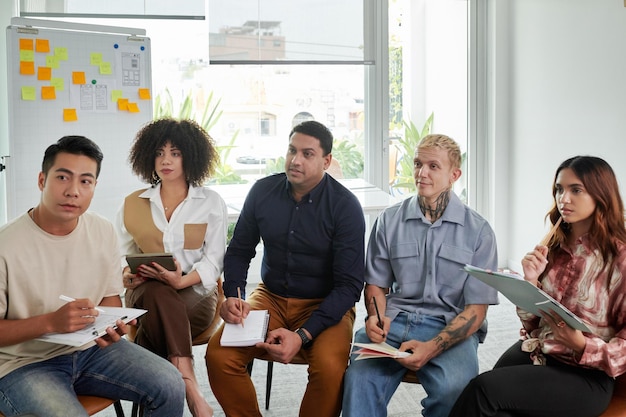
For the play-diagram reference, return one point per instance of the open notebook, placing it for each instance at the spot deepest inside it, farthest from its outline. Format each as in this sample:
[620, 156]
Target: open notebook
[97, 329]
[252, 332]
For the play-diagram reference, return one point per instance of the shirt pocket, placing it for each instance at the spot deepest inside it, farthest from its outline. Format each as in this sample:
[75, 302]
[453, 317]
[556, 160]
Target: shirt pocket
[404, 263]
[194, 235]
[450, 262]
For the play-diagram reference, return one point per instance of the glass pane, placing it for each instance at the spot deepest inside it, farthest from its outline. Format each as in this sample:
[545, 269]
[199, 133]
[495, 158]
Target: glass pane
[260, 105]
[279, 30]
[428, 74]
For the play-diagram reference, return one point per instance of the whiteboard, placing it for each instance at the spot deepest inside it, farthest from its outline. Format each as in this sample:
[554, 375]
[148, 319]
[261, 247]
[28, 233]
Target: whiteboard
[79, 81]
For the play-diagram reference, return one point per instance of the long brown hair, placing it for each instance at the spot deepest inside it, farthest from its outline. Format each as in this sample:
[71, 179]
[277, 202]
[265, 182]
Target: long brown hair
[607, 227]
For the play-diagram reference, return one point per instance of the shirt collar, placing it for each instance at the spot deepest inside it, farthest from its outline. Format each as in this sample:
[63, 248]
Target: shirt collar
[154, 193]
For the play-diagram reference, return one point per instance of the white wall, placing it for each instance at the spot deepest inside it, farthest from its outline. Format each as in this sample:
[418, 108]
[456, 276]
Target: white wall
[566, 71]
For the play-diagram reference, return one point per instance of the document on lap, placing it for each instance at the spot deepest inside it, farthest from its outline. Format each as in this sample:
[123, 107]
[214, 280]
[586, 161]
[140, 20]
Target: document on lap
[249, 335]
[378, 350]
[526, 295]
[95, 330]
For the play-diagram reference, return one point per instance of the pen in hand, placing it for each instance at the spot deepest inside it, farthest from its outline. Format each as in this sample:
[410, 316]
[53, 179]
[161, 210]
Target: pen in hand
[380, 322]
[70, 299]
[240, 306]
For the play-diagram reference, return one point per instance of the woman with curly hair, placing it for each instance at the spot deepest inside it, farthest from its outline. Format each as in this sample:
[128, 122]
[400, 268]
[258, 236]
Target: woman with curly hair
[555, 370]
[176, 214]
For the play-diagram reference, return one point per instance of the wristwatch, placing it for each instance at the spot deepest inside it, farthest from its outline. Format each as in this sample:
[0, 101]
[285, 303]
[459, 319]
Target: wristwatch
[305, 339]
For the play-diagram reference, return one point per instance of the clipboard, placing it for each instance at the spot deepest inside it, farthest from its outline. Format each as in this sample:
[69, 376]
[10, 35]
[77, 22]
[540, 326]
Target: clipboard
[525, 295]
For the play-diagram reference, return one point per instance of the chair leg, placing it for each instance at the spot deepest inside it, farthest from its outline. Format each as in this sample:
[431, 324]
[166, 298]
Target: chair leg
[119, 411]
[135, 410]
[268, 384]
[249, 367]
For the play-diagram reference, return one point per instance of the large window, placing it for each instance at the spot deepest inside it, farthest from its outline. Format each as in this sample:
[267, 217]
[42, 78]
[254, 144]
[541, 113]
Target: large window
[368, 69]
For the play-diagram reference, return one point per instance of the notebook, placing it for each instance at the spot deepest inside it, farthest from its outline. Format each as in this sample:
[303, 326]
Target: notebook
[378, 350]
[252, 332]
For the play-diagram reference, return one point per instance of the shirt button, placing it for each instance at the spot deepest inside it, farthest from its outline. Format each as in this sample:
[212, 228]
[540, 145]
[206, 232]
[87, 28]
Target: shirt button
[291, 232]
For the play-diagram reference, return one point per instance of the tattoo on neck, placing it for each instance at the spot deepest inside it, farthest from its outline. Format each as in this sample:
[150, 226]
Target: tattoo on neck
[440, 205]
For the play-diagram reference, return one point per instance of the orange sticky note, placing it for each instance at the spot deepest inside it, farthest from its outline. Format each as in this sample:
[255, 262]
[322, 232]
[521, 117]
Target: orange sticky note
[42, 45]
[122, 104]
[48, 92]
[133, 107]
[44, 73]
[26, 44]
[78, 77]
[27, 68]
[29, 93]
[144, 93]
[69, 115]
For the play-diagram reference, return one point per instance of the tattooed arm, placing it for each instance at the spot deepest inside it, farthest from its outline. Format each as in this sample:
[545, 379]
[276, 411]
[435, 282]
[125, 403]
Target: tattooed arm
[459, 329]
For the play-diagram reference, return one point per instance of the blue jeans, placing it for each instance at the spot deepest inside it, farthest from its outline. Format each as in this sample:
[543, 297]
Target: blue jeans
[122, 370]
[369, 384]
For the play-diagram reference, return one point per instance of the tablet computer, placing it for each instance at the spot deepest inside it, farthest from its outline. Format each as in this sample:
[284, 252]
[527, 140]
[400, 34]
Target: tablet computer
[166, 260]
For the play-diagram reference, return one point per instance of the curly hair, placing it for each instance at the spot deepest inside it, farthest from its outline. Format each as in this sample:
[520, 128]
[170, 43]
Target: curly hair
[607, 226]
[200, 156]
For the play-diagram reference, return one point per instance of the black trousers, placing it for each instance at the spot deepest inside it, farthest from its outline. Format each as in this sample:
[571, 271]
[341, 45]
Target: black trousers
[517, 388]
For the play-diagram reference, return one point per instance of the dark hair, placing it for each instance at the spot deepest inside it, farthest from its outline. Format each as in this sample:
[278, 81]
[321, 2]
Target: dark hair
[76, 145]
[200, 157]
[607, 227]
[318, 131]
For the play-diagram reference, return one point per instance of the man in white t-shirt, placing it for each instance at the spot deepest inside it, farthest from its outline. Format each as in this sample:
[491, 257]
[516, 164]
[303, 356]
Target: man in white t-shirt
[58, 248]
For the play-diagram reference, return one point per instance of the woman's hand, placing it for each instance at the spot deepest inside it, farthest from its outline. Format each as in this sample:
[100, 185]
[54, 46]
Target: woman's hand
[132, 281]
[563, 333]
[534, 263]
[172, 278]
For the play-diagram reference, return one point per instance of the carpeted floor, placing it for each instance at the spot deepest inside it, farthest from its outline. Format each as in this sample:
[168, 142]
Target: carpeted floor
[289, 380]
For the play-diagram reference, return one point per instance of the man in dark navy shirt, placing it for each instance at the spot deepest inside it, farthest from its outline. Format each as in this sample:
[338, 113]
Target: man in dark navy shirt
[313, 264]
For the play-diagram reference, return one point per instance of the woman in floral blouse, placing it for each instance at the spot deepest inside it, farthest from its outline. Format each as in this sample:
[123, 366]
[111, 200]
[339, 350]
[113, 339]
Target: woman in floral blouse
[555, 370]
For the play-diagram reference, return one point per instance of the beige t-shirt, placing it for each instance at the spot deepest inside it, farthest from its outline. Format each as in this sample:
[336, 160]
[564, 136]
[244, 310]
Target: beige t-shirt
[37, 267]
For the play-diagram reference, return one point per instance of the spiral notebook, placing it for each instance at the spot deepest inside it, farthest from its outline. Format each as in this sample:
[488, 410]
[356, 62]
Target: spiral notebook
[252, 332]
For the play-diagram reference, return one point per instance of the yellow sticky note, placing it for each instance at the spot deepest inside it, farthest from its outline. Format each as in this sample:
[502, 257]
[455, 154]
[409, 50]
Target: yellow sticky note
[95, 58]
[26, 44]
[52, 61]
[48, 93]
[69, 115]
[61, 53]
[122, 104]
[44, 73]
[105, 68]
[57, 83]
[27, 68]
[133, 107]
[42, 45]
[116, 95]
[78, 77]
[29, 93]
[144, 93]
[26, 55]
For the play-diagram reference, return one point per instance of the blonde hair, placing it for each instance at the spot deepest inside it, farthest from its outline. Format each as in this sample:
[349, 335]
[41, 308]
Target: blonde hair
[443, 142]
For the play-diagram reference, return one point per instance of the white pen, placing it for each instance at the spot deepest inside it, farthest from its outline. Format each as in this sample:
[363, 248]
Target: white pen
[68, 299]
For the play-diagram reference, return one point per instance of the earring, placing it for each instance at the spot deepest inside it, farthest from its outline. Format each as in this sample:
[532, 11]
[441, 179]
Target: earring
[155, 178]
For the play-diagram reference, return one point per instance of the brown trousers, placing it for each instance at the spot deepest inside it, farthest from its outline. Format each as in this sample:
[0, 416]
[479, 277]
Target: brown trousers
[173, 319]
[327, 358]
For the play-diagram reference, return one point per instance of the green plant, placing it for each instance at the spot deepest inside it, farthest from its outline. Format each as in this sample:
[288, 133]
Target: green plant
[349, 158]
[403, 182]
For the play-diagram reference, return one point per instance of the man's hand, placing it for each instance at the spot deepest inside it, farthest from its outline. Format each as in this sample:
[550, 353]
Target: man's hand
[281, 344]
[422, 352]
[231, 313]
[73, 316]
[373, 330]
[115, 334]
